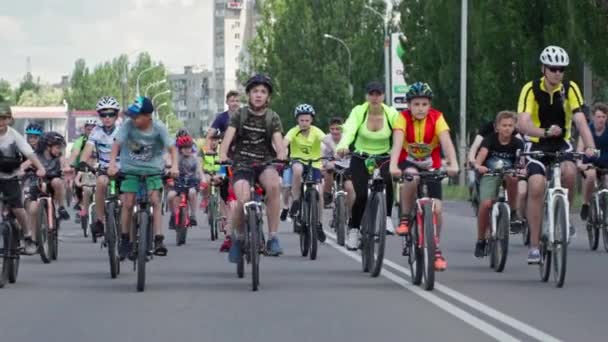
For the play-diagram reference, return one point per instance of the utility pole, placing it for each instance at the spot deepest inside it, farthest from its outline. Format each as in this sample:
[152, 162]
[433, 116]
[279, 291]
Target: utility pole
[463, 87]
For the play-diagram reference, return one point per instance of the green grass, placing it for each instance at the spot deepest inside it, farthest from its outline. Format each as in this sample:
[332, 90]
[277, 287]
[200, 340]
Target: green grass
[455, 192]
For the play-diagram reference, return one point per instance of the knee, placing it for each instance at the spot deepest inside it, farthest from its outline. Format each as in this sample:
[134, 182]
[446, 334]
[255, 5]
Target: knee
[57, 183]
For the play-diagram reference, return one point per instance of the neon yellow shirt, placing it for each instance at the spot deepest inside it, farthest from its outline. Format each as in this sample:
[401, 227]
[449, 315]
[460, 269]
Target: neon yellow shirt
[209, 164]
[306, 147]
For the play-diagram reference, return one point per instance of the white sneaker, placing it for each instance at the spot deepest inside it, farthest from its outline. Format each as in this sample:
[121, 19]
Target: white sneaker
[352, 242]
[390, 229]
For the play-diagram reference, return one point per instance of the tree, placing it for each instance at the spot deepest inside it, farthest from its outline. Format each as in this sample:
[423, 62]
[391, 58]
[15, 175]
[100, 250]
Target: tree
[46, 96]
[6, 92]
[26, 84]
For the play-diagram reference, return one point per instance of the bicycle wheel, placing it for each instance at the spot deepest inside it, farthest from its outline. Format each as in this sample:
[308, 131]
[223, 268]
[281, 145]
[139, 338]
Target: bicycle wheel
[84, 224]
[501, 241]
[378, 234]
[254, 247]
[593, 230]
[14, 238]
[42, 234]
[92, 221]
[304, 227]
[54, 240]
[143, 221]
[545, 262]
[560, 244]
[365, 223]
[429, 247]
[415, 258]
[5, 243]
[604, 206]
[240, 265]
[180, 229]
[111, 239]
[313, 221]
[340, 219]
[212, 216]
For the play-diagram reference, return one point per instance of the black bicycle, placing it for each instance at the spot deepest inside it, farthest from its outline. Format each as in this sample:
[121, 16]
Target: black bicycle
[373, 224]
[308, 219]
[340, 210]
[112, 210]
[10, 234]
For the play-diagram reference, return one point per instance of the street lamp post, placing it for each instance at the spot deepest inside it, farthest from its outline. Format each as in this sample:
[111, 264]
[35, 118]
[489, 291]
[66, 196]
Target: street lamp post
[159, 94]
[388, 98]
[153, 84]
[141, 73]
[157, 110]
[350, 62]
[124, 79]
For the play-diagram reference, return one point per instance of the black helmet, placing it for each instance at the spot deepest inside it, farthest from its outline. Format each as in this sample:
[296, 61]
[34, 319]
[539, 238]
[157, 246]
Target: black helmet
[257, 80]
[182, 132]
[53, 139]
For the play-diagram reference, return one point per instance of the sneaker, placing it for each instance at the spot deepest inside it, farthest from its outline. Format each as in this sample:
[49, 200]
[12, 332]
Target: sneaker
[124, 247]
[440, 263]
[403, 228]
[585, 212]
[159, 246]
[352, 241]
[516, 223]
[273, 247]
[98, 228]
[533, 256]
[30, 246]
[63, 213]
[193, 222]
[320, 233]
[295, 208]
[480, 249]
[284, 213]
[390, 229]
[327, 199]
[226, 245]
[172, 222]
[235, 253]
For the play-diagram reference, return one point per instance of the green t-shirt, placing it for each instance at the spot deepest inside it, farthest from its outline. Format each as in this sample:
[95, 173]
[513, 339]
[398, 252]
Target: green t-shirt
[79, 146]
[374, 143]
[306, 147]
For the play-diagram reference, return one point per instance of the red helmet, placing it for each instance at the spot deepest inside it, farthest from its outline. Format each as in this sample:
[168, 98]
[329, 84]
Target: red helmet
[184, 141]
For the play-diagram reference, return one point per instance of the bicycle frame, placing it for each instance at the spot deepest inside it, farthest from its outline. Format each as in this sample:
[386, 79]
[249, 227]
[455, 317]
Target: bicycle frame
[554, 190]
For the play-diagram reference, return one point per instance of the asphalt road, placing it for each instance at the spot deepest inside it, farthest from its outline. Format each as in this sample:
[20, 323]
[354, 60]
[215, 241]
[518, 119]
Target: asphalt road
[193, 294]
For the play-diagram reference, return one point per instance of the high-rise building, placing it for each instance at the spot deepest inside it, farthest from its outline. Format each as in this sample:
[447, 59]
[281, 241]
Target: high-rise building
[193, 98]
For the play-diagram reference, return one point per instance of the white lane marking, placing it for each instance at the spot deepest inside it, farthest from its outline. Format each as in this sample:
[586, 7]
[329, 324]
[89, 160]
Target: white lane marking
[447, 306]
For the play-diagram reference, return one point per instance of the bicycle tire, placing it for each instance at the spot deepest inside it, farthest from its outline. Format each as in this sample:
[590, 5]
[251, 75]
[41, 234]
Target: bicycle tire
[340, 220]
[378, 238]
[593, 231]
[304, 227]
[429, 247]
[92, 221]
[212, 217]
[365, 262]
[180, 229]
[545, 263]
[143, 221]
[84, 225]
[604, 204]
[5, 243]
[501, 245]
[254, 248]
[560, 247]
[415, 258]
[313, 200]
[54, 241]
[111, 239]
[14, 254]
[42, 233]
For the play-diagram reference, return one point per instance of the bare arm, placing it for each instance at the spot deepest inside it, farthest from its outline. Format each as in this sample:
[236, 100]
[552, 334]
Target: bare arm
[474, 148]
[73, 155]
[583, 128]
[448, 149]
[526, 126]
[481, 157]
[277, 140]
[398, 137]
[228, 137]
[86, 153]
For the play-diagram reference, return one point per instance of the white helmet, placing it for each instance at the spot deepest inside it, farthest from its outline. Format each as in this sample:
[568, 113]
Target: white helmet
[554, 56]
[107, 102]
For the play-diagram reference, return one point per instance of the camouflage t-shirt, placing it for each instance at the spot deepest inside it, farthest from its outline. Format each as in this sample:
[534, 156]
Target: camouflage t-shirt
[252, 142]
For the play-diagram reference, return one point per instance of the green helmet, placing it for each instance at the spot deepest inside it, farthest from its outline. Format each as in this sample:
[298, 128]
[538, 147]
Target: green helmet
[5, 110]
[419, 89]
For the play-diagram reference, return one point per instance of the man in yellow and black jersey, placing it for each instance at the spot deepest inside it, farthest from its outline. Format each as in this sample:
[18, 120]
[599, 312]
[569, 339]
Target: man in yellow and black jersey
[547, 107]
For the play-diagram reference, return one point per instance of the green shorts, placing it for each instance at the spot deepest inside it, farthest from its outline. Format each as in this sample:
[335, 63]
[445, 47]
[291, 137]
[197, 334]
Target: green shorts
[131, 184]
[488, 187]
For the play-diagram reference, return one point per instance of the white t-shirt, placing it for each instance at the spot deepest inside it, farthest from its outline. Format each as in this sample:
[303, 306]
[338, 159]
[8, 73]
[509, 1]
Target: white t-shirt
[103, 144]
[10, 143]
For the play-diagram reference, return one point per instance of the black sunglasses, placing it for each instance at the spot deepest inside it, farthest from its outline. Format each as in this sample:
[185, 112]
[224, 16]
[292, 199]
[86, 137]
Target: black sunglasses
[107, 115]
[556, 69]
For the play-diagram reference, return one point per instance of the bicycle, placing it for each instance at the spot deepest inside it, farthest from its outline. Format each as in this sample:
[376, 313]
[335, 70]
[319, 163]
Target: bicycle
[182, 217]
[141, 228]
[11, 235]
[48, 221]
[373, 223]
[112, 206]
[474, 191]
[309, 217]
[497, 238]
[253, 243]
[88, 181]
[598, 213]
[340, 210]
[554, 235]
[214, 216]
[420, 245]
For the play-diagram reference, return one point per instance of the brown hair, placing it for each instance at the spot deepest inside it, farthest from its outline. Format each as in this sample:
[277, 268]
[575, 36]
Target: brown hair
[600, 106]
[231, 94]
[505, 114]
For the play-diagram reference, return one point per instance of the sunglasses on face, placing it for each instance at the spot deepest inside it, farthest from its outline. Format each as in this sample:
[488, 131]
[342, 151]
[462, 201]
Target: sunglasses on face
[556, 69]
[107, 115]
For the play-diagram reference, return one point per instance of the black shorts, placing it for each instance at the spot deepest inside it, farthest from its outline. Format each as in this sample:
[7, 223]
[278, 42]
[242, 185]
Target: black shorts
[250, 172]
[433, 185]
[224, 186]
[539, 166]
[11, 190]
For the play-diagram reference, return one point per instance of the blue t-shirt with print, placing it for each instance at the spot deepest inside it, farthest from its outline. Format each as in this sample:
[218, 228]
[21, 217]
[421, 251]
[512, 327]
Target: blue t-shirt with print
[221, 122]
[141, 152]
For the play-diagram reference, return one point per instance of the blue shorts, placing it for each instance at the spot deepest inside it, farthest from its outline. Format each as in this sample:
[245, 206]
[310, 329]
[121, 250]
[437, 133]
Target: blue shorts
[316, 173]
[287, 177]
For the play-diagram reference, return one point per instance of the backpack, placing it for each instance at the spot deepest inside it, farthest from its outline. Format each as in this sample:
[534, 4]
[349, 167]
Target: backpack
[352, 145]
[11, 162]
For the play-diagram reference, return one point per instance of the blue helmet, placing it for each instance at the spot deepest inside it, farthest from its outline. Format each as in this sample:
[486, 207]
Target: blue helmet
[34, 129]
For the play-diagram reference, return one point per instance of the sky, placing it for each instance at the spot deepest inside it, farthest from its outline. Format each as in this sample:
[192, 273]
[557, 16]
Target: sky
[55, 33]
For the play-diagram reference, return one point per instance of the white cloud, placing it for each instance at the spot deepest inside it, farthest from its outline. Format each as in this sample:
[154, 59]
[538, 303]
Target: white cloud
[11, 29]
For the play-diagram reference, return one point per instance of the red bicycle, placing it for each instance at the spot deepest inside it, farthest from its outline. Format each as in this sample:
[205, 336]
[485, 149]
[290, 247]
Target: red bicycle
[182, 187]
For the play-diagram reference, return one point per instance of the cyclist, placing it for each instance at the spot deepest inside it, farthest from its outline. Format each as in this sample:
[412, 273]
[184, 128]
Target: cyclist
[369, 128]
[256, 132]
[503, 146]
[210, 156]
[33, 132]
[13, 147]
[191, 172]
[76, 157]
[328, 149]
[421, 132]
[221, 121]
[101, 140]
[140, 142]
[600, 138]
[305, 142]
[547, 107]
